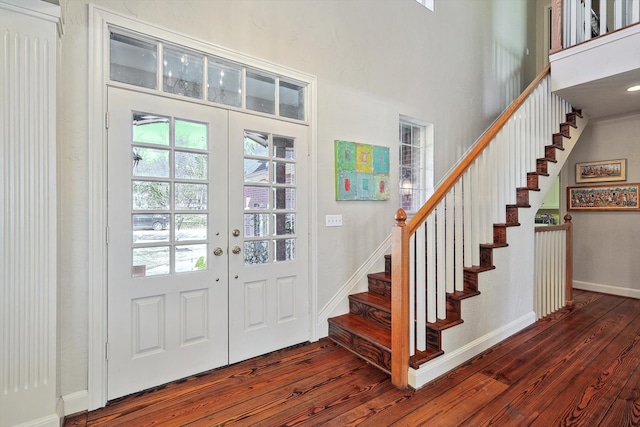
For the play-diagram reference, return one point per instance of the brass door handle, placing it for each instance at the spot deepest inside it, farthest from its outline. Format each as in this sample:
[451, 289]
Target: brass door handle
[236, 250]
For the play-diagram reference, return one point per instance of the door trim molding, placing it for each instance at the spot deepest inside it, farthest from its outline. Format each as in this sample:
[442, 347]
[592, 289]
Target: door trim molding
[99, 21]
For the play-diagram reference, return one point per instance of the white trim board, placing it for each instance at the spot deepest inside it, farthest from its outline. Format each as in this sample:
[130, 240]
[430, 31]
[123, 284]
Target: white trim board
[607, 289]
[99, 21]
[449, 361]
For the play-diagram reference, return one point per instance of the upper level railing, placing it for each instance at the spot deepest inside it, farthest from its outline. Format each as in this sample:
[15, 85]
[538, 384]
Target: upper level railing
[576, 21]
[459, 217]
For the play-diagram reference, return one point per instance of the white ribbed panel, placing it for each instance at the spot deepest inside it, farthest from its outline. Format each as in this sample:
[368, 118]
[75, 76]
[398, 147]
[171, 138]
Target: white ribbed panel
[550, 271]
[28, 224]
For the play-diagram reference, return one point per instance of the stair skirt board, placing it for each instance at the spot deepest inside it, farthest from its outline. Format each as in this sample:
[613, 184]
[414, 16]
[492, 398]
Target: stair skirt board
[449, 360]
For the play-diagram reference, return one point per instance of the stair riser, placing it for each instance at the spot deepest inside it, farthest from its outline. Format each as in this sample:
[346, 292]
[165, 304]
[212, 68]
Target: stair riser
[363, 348]
[380, 287]
[370, 313]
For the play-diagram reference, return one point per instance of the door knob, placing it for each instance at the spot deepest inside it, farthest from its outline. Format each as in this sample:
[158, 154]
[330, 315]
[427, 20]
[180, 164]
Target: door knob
[236, 250]
[235, 232]
[218, 251]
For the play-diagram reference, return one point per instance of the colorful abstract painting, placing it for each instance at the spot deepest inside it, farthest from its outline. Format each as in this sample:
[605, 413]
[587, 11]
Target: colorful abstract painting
[362, 171]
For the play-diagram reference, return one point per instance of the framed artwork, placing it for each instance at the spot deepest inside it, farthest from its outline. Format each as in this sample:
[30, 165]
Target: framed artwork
[362, 171]
[607, 170]
[610, 197]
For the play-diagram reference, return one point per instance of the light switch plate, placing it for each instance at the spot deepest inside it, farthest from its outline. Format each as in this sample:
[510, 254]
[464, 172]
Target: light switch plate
[333, 220]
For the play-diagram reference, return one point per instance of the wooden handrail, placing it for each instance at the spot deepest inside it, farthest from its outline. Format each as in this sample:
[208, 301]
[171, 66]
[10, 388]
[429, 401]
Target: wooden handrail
[446, 186]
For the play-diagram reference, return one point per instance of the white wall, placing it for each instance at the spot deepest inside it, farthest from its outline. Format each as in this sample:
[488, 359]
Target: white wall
[605, 244]
[457, 67]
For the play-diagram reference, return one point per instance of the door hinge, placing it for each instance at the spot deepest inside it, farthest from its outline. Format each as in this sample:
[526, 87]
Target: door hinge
[106, 120]
[106, 350]
[106, 235]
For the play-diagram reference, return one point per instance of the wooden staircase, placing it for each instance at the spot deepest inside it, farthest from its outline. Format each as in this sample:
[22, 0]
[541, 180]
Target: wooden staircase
[366, 329]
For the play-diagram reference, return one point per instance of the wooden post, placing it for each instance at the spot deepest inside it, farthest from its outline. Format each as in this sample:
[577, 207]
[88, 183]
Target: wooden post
[569, 260]
[400, 302]
[556, 26]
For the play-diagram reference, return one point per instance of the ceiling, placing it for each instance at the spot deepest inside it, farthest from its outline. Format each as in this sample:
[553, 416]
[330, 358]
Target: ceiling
[606, 96]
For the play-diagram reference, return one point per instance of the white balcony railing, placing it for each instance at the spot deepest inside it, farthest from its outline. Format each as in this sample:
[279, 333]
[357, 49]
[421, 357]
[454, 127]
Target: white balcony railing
[584, 19]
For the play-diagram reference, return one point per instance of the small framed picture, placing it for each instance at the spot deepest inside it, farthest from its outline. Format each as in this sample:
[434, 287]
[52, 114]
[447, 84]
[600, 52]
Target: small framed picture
[610, 197]
[604, 171]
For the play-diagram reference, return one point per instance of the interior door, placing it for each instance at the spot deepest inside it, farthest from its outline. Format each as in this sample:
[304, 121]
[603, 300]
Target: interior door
[167, 240]
[268, 214]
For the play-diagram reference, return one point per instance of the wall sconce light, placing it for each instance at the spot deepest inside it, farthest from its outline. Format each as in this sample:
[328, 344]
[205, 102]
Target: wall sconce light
[406, 187]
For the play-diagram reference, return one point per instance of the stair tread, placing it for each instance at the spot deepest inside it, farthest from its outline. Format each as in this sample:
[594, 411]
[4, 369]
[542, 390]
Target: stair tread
[494, 245]
[382, 275]
[467, 293]
[364, 329]
[373, 299]
[422, 357]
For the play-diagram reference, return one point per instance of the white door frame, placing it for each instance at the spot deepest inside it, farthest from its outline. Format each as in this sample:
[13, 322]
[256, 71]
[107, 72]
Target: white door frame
[99, 21]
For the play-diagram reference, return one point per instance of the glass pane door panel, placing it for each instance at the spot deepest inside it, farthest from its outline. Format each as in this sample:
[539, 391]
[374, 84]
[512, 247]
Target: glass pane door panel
[191, 258]
[256, 144]
[191, 165]
[256, 225]
[285, 223]
[151, 129]
[256, 198]
[150, 195]
[191, 135]
[256, 252]
[150, 261]
[285, 198]
[191, 196]
[283, 148]
[149, 228]
[256, 170]
[284, 173]
[150, 162]
[285, 249]
[191, 227]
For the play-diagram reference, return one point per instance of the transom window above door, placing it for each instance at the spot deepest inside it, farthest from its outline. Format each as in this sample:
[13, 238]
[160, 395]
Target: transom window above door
[163, 67]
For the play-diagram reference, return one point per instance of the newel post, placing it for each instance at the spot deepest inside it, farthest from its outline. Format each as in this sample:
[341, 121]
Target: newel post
[400, 301]
[556, 26]
[569, 260]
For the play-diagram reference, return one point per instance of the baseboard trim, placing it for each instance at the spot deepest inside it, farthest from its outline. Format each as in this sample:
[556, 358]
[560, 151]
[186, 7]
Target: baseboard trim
[48, 421]
[75, 402]
[448, 361]
[333, 307]
[607, 289]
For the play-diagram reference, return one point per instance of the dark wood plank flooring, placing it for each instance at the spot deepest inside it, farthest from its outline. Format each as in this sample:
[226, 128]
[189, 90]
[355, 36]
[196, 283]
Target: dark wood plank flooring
[577, 367]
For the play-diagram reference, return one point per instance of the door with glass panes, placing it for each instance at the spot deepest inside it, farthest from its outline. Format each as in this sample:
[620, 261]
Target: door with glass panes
[207, 238]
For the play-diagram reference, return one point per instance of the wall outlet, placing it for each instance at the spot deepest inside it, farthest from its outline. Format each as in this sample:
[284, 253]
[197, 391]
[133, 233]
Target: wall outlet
[333, 220]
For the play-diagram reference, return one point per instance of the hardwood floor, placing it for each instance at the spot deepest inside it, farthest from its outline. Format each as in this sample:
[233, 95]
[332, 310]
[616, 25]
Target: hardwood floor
[579, 366]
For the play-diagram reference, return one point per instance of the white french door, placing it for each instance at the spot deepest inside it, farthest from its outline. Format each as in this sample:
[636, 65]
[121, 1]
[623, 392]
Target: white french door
[268, 215]
[208, 229]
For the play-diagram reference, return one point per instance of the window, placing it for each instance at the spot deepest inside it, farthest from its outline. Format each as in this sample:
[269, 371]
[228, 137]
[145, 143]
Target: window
[416, 163]
[133, 60]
